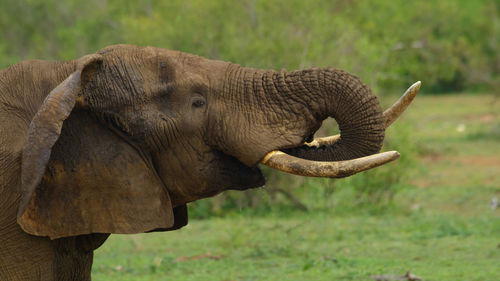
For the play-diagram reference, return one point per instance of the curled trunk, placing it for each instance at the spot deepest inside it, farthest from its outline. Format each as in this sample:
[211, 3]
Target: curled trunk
[351, 104]
[280, 110]
[335, 169]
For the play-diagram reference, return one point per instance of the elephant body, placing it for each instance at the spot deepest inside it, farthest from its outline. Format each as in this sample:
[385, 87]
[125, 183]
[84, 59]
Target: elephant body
[120, 141]
[23, 88]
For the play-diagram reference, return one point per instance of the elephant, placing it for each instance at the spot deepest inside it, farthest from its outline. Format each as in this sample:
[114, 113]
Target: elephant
[121, 140]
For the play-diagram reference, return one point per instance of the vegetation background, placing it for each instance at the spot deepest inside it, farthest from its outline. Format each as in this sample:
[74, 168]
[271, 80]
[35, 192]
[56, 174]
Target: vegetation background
[454, 44]
[433, 210]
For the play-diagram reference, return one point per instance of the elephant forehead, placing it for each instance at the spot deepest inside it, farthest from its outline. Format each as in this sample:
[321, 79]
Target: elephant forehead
[187, 63]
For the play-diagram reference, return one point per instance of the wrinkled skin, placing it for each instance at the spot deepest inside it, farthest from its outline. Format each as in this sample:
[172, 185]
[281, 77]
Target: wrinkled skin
[120, 141]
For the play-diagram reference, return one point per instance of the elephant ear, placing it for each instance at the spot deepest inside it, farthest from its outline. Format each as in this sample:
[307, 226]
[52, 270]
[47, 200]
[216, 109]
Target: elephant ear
[80, 177]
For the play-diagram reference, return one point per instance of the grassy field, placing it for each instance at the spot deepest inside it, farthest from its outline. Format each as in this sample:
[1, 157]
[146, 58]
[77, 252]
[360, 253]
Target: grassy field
[441, 226]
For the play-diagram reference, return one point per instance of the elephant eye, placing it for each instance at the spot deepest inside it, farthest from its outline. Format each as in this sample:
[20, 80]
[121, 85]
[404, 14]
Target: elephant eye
[198, 103]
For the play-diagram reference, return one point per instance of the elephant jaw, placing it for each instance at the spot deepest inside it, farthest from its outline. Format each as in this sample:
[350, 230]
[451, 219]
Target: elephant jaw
[337, 169]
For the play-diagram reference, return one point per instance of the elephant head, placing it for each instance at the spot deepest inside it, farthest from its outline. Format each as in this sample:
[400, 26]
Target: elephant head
[133, 134]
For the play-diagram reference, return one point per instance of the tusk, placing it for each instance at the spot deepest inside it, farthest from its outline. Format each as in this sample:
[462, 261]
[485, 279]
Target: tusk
[338, 169]
[326, 141]
[400, 106]
[335, 169]
[391, 114]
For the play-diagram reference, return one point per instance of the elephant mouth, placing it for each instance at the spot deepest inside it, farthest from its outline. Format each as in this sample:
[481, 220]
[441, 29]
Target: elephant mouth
[233, 174]
[280, 160]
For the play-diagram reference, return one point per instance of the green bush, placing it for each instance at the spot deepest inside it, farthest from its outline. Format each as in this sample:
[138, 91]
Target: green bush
[451, 44]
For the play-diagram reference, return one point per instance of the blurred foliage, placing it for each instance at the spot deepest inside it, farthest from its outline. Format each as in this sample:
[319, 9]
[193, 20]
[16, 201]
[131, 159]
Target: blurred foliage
[450, 44]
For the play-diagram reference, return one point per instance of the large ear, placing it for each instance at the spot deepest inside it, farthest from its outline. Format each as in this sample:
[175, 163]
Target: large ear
[80, 177]
[45, 128]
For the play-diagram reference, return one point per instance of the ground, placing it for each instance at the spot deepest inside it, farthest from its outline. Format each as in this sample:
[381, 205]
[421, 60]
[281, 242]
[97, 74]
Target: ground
[444, 226]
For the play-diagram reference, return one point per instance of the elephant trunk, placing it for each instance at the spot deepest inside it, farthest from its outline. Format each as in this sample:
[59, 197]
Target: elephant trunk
[350, 102]
[276, 114]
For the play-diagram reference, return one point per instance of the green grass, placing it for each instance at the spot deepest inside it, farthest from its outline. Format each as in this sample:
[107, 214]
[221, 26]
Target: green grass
[439, 224]
[316, 247]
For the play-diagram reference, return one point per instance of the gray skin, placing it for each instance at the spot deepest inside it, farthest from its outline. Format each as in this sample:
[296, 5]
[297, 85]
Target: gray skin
[120, 141]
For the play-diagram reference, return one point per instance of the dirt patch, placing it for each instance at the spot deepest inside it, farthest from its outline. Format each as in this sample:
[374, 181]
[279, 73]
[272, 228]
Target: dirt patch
[487, 118]
[458, 170]
[478, 161]
[471, 160]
